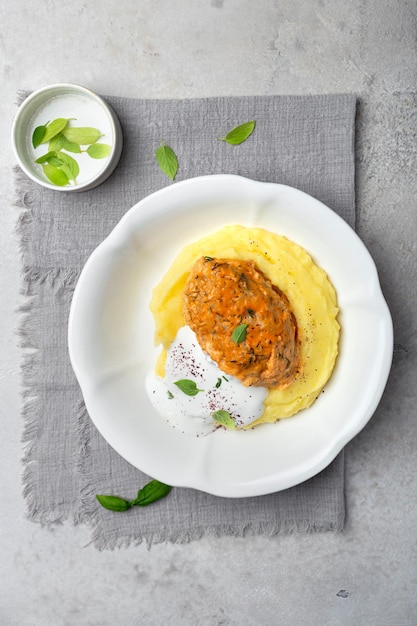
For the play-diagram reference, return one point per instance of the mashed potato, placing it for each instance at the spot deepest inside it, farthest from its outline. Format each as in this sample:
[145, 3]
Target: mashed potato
[292, 270]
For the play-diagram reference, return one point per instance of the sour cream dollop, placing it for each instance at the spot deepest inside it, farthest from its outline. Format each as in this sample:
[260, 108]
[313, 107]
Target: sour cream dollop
[217, 391]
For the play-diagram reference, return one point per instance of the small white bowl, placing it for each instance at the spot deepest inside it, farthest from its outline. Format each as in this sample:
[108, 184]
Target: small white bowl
[67, 101]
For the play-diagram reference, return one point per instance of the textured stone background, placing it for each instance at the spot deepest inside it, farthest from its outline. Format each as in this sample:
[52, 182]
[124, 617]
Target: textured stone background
[179, 48]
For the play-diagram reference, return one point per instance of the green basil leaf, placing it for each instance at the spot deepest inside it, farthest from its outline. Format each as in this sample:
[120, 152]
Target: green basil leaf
[219, 382]
[239, 134]
[113, 503]
[170, 395]
[167, 160]
[56, 143]
[239, 333]
[151, 492]
[69, 146]
[71, 164]
[55, 127]
[60, 142]
[38, 135]
[83, 135]
[188, 387]
[66, 171]
[224, 418]
[99, 150]
[55, 175]
[53, 160]
[46, 157]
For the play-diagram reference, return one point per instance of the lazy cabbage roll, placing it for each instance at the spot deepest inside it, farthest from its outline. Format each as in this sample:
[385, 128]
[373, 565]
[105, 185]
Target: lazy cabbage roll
[243, 322]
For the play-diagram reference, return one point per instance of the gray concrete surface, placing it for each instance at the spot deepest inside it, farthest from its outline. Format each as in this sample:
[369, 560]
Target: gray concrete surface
[181, 48]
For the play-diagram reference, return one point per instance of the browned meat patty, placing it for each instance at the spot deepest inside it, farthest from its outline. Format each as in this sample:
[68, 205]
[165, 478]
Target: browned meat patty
[243, 322]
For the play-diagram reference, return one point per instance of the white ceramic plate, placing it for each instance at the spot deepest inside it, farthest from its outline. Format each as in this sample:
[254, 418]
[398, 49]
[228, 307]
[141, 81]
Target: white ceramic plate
[111, 338]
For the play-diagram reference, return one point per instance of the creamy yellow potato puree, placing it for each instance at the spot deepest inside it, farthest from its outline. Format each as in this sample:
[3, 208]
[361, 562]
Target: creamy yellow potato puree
[292, 270]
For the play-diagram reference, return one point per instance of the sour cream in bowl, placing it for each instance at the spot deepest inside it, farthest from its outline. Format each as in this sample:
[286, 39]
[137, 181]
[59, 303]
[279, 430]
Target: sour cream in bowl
[192, 390]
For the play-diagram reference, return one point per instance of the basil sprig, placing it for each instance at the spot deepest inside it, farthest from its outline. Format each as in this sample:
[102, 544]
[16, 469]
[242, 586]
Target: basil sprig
[151, 492]
[58, 166]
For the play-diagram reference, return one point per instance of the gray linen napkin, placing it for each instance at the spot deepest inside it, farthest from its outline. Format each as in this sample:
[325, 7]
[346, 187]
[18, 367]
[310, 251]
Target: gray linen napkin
[303, 141]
